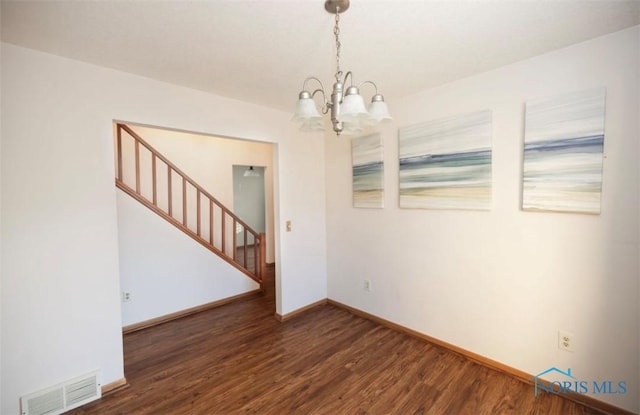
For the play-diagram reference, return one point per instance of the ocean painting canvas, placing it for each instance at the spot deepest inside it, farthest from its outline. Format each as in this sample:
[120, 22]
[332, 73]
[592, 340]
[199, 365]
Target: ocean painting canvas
[368, 171]
[446, 163]
[563, 150]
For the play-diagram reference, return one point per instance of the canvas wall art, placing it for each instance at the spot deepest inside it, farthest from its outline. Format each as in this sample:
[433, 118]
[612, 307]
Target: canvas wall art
[563, 150]
[446, 163]
[368, 171]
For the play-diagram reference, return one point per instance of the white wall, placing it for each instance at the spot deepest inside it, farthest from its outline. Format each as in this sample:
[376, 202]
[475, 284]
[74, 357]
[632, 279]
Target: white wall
[164, 269]
[60, 285]
[502, 283]
[298, 282]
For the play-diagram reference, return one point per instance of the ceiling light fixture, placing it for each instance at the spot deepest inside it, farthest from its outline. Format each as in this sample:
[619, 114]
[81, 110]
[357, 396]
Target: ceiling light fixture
[250, 172]
[348, 112]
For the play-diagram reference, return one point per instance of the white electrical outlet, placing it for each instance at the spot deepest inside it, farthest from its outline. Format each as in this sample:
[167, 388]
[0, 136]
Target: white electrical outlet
[565, 341]
[367, 285]
[126, 296]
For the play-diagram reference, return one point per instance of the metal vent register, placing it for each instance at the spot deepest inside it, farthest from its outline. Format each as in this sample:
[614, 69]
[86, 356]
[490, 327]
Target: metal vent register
[60, 398]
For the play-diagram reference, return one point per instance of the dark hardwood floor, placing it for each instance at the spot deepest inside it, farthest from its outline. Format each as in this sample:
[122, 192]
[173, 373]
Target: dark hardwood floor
[238, 359]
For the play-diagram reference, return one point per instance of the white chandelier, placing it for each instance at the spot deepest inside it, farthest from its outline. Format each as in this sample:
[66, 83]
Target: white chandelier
[348, 112]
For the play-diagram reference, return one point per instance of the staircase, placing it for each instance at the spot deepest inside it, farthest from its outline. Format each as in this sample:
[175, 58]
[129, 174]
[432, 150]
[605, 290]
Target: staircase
[150, 178]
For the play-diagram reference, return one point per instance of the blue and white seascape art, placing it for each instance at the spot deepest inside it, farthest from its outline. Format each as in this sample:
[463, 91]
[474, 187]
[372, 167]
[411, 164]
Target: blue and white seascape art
[563, 150]
[446, 163]
[368, 171]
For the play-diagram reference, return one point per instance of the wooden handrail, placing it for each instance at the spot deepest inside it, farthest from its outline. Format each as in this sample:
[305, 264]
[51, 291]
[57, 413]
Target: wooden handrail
[181, 173]
[256, 272]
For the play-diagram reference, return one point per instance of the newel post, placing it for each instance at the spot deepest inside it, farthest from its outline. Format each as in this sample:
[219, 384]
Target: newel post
[263, 259]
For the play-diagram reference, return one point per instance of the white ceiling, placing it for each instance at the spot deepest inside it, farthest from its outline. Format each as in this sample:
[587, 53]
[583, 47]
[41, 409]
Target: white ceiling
[262, 50]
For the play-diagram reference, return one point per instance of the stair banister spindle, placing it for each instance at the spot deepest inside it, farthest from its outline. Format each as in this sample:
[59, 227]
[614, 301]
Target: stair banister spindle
[211, 205]
[137, 150]
[184, 201]
[245, 247]
[198, 210]
[154, 179]
[222, 229]
[169, 192]
[235, 240]
[119, 151]
[256, 251]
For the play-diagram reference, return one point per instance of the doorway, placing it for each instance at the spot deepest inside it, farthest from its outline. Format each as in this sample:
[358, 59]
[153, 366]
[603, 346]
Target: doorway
[249, 201]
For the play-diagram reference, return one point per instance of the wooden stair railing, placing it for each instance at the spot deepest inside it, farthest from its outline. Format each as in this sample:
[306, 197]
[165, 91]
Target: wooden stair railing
[214, 226]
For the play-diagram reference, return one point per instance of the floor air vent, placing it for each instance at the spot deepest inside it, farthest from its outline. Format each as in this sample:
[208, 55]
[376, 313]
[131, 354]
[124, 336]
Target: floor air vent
[63, 397]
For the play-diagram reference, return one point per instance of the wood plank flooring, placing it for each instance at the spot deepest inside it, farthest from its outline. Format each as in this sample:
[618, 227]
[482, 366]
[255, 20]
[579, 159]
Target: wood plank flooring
[238, 359]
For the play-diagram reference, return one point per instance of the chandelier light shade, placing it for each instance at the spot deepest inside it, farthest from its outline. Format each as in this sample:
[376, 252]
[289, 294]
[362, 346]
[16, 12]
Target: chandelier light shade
[349, 114]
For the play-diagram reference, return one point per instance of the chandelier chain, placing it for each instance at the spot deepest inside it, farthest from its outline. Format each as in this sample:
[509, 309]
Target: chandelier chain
[336, 32]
